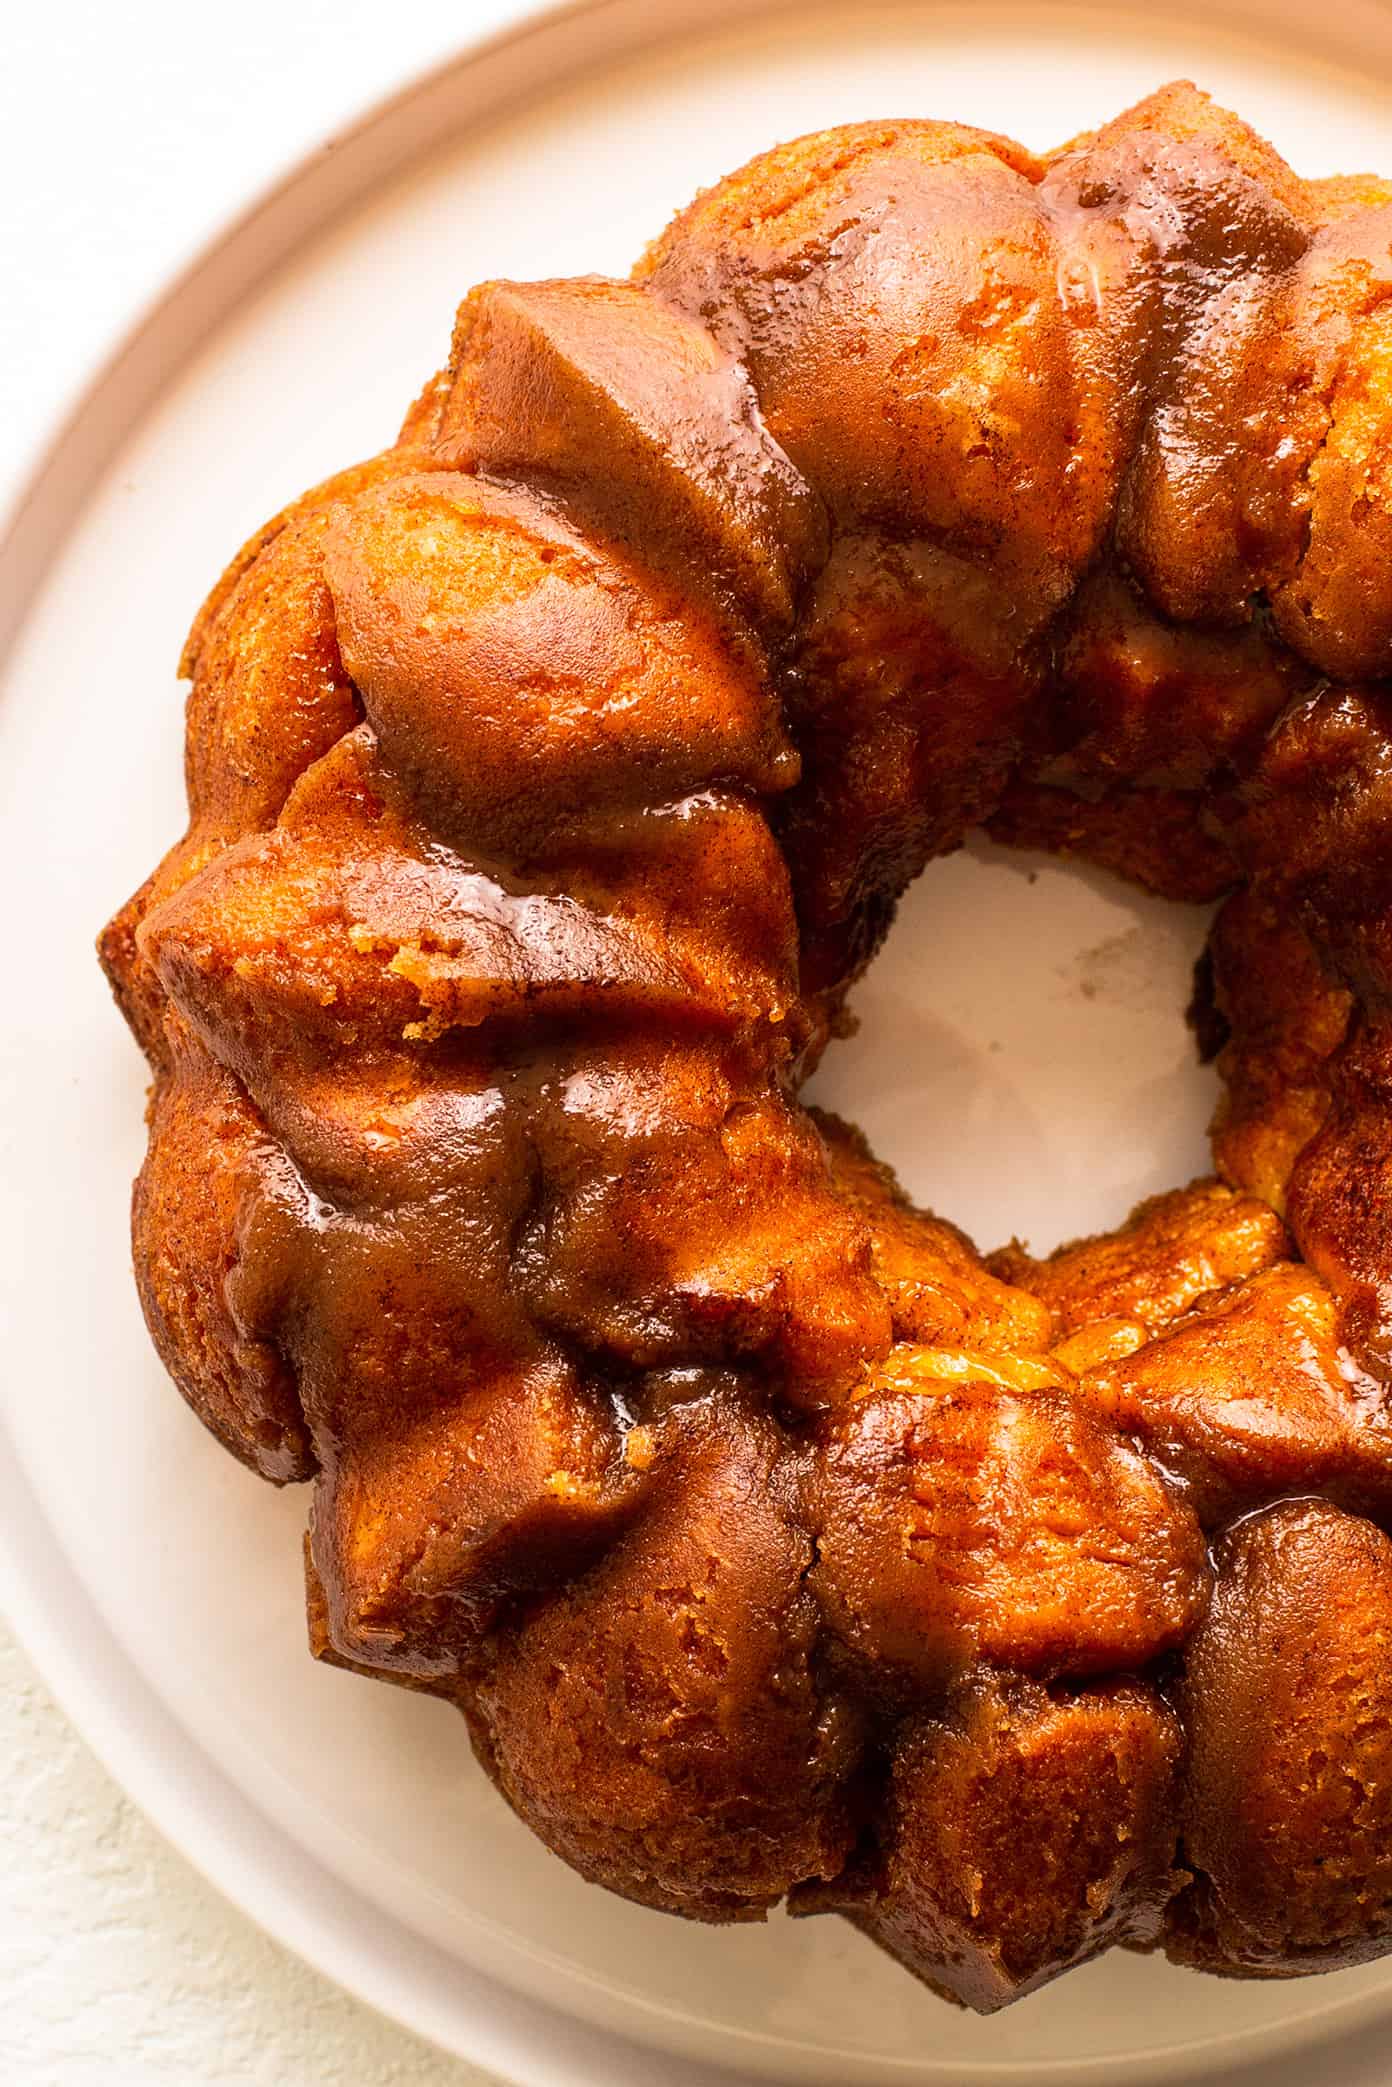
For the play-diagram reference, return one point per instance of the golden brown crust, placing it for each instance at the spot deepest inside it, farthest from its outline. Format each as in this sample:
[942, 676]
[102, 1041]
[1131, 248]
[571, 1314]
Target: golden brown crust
[941, 1293]
[206, 1165]
[547, 375]
[1153, 838]
[1172, 1251]
[1285, 1019]
[552, 777]
[634, 1715]
[965, 1524]
[1254, 1394]
[1028, 1832]
[1288, 1699]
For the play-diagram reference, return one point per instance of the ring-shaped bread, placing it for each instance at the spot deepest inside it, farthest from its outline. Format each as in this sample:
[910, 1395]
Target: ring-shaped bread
[553, 776]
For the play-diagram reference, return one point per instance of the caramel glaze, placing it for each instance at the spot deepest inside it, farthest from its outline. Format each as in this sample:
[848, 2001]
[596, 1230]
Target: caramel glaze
[552, 778]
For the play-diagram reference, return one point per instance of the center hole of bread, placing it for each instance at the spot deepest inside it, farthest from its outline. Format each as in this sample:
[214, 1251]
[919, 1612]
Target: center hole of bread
[1023, 1059]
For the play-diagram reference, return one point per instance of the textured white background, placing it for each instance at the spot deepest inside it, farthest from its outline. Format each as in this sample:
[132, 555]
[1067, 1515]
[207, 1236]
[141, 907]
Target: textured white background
[120, 1967]
[127, 134]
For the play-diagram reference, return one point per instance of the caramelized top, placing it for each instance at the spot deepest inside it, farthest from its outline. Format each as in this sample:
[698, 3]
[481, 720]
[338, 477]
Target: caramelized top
[552, 778]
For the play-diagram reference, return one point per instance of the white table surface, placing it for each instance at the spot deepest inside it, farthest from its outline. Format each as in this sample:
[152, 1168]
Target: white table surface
[127, 134]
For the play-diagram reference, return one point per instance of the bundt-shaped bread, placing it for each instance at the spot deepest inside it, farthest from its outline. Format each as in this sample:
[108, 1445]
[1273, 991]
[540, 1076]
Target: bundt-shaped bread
[553, 776]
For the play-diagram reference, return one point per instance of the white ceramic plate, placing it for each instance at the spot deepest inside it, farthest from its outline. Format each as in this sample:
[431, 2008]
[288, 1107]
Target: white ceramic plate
[1023, 1058]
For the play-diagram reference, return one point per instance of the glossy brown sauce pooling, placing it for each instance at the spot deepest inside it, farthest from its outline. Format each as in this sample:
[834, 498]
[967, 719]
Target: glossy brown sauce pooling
[553, 776]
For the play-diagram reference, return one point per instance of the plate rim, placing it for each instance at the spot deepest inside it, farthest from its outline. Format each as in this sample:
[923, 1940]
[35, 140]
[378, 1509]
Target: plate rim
[191, 1801]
